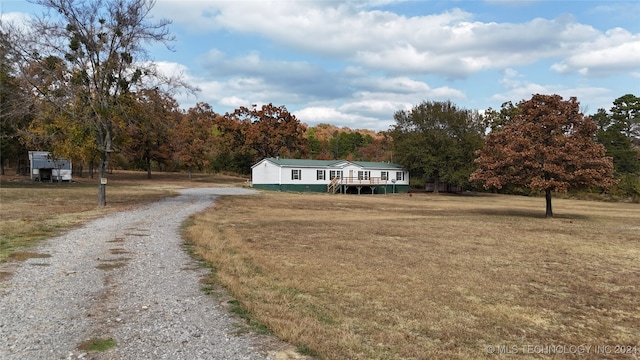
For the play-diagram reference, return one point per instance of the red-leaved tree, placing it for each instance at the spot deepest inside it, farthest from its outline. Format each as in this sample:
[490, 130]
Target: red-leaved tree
[548, 146]
[274, 131]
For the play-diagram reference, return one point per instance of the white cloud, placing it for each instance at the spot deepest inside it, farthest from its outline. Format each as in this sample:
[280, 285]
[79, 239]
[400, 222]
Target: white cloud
[613, 52]
[518, 88]
[314, 115]
[233, 101]
[171, 68]
[374, 107]
[449, 43]
[355, 97]
[399, 85]
[13, 18]
[383, 61]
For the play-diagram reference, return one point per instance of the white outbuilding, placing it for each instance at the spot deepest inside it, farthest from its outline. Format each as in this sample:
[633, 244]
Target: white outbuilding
[44, 167]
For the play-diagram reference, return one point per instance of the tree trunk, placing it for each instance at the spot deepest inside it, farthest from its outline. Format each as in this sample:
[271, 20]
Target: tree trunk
[102, 171]
[148, 168]
[549, 212]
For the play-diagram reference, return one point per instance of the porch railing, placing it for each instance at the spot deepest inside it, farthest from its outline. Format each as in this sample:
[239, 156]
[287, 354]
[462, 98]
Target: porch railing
[333, 185]
[336, 182]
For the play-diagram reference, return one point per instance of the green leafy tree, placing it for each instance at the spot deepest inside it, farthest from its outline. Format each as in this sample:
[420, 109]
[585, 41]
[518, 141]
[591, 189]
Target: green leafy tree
[436, 141]
[330, 142]
[375, 149]
[339, 145]
[612, 134]
[548, 146]
[618, 131]
[347, 144]
[92, 54]
[497, 119]
[314, 144]
[626, 114]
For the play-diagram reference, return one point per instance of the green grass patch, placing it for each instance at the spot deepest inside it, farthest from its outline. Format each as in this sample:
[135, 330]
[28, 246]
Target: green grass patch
[252, 323]
[97, 344]
[306, 350]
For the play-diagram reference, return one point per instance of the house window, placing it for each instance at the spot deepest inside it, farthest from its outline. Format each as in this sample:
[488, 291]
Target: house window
[384, 175]
[364, 175]
[400, 175]
[296, 174]
[335, 174]
[321, 175]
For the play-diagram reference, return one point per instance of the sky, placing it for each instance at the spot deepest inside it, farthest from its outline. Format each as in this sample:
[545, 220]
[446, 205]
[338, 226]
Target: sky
[356, 63]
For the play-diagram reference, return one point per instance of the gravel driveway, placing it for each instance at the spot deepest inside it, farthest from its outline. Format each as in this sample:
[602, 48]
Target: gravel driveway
[124, 276]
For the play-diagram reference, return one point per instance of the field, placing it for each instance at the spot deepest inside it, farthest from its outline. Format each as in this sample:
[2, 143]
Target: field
[390, 276]
[431, 276]
[31, 211]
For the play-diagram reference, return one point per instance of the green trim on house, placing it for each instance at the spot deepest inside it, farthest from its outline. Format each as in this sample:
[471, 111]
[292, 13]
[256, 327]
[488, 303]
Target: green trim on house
[320, 188]
[304, 162]
[400, 189]
[292, 187]
[378, 165]
[330, 163]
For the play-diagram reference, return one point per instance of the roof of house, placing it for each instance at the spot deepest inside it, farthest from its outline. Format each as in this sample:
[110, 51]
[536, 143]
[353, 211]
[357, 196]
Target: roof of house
[377, 165]
[330, 163]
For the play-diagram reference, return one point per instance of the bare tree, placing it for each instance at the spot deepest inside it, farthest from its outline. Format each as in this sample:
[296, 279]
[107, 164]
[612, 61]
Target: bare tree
[84, 55]
[15, 107]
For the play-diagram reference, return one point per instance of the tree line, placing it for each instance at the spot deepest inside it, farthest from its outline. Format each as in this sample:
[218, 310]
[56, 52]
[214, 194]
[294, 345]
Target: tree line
[80, 84]
[544, 144]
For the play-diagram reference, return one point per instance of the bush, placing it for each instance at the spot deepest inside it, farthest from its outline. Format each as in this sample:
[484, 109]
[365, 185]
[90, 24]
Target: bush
[416, 183]
[628, 188]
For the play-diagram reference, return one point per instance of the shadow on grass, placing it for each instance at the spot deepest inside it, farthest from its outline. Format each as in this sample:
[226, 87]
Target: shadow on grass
[527, 213]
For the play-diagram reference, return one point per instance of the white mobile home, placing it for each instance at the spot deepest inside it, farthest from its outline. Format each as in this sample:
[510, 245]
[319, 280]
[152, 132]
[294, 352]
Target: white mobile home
[329, 176]
[46, 168]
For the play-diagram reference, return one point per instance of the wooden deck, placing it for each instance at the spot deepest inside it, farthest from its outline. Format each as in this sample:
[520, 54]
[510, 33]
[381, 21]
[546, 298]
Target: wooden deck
[341, 183]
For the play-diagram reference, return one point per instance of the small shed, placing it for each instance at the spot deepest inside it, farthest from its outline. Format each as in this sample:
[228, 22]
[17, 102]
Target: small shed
[46, 168]
[329, 176]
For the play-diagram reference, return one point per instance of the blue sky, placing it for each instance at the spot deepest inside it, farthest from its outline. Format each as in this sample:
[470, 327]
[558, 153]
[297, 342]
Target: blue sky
[355, 63]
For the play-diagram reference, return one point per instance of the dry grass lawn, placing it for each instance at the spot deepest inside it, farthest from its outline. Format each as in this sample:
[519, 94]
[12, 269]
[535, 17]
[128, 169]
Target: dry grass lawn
[31, 211]
[429, 277]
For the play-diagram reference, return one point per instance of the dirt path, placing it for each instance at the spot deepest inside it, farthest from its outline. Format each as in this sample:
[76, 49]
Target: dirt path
[123, 277]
